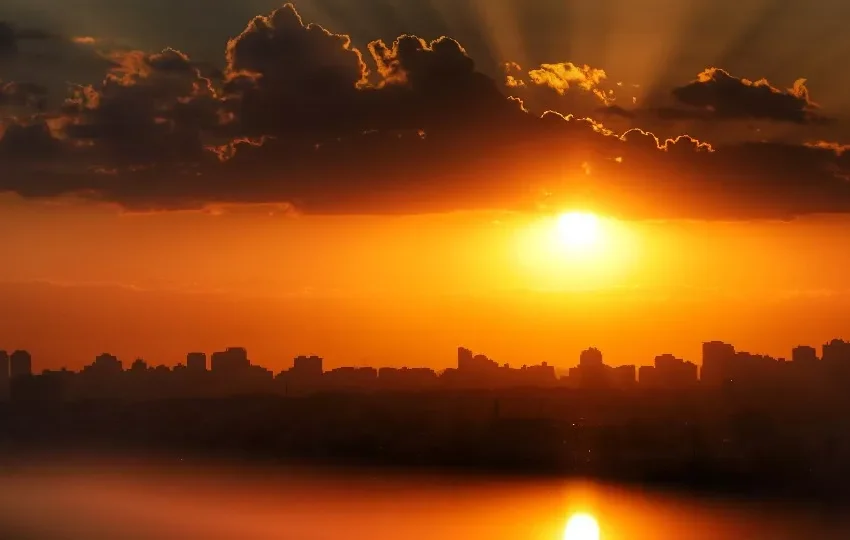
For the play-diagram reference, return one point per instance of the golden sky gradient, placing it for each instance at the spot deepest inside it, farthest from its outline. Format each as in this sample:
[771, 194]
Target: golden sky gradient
[408, 289]
[381, 202]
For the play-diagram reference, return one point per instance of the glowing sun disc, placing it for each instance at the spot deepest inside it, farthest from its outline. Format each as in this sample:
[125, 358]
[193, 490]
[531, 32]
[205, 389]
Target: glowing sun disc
[581, 527]
[578, 229]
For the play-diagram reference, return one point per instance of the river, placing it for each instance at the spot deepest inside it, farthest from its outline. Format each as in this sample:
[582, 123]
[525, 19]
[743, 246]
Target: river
[134, 501]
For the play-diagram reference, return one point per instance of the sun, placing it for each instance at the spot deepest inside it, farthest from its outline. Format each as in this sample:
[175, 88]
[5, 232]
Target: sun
[578, 231]
[581, 527]
[575, 250]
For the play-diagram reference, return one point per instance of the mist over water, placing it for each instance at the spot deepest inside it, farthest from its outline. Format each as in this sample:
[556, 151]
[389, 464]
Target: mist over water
[133, 501]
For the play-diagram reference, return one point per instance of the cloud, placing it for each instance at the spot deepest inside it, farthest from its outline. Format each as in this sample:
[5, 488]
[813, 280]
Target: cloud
[838, 148]
[150, 109]
[616, 110]
[301, 117]
[38, 65]
[418, 64]
[717, 94]
[28, 141]
[511, 80]
[288, 77]
[560, 77]
[433, 86]
[15, 94]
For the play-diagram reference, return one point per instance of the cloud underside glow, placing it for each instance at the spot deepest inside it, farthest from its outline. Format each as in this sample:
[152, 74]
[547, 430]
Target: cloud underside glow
[300, 116]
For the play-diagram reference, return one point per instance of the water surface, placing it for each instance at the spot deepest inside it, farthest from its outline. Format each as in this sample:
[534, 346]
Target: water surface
[158, 502]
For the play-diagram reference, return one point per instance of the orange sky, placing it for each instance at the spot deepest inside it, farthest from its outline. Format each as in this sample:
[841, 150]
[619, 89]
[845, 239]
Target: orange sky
[176, 179]
[407, 290]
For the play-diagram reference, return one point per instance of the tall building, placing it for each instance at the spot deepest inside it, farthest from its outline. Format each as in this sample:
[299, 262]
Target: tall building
[590, 357]
[647, 377]
[591, 372]
[804, 354]
[805, 367]
[836, 360]
[310, 366]
[672, 373]
[718, 359]
[106, 364]
[196, 362]
[464, 358]
[139, 366]
[836, 352]
[20, 364]
[476, 370]
[4, 375]
[305, 375]
[624, 377]
[233, 359]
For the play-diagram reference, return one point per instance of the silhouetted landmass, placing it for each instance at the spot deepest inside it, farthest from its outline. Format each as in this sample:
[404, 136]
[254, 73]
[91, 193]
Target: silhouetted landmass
[749, 424]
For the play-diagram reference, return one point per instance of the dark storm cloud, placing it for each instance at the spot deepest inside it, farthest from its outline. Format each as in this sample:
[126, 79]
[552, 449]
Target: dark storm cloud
[288, 78]
[301, 116]
[434, 86]
[150, 108]
[285, 77]
[717, 94]
[23, 141]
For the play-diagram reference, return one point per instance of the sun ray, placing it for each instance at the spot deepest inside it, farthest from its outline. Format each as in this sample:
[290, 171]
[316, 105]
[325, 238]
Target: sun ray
[500, 31]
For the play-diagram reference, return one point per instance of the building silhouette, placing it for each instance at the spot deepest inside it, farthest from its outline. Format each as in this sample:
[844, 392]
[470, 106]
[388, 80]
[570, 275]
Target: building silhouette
[591, 372]
[480, 371]
[836, 351]
[407, 379]
[233, 360]
[20, 364]
[804, 354]
[835, 356]
[805, 369]
[624, 377]
[105, 365]
[4, 375]
[350, 378]
[308, 366]
[196, 362]
[304, 376]
[139, 366]
[717, 363]
[231, 372]
[752, 415]
[669, 373]
[464, 359]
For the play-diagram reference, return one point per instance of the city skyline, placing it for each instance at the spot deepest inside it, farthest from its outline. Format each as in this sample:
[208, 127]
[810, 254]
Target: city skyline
[716, 357]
